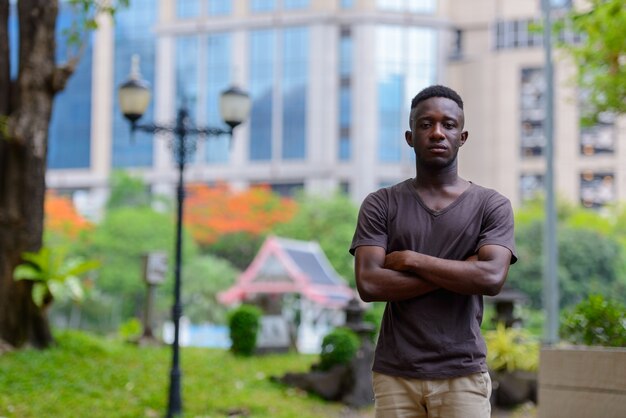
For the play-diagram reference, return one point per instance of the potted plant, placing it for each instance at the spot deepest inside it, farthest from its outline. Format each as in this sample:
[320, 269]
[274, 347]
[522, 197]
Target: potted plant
[513, 358]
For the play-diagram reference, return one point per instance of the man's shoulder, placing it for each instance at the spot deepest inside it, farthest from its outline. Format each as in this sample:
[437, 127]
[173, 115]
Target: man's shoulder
[488, 193]
[391, 190]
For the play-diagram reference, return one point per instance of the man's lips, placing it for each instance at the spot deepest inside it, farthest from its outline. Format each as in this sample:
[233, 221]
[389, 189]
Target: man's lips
[438, 149]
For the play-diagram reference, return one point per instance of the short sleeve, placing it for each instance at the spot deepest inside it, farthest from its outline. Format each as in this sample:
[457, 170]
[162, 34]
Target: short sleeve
[371, 228]
[498, 225]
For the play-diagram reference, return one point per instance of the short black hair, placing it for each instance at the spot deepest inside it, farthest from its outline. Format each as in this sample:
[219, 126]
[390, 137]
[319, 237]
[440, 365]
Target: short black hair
[437, 91]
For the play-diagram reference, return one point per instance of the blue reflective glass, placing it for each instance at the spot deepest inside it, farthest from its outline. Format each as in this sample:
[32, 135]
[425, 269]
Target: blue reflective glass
[69, 134]
[220, 7]
[345, 55]
[399, 77]
[347, 4]
[262, 5]
[345, 106]
[345, 149]
[296, 4]
[218, 79]
[133, 35]
[390, 104]
[294, 92]
[187, 8]
[414, 6]
[14, 40]
[261, 63]
[186, 70]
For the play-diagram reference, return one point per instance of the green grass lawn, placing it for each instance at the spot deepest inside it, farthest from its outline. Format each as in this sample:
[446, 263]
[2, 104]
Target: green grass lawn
[87, 376]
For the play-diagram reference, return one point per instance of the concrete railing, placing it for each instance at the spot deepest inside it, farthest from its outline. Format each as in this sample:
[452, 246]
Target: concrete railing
[582, 382]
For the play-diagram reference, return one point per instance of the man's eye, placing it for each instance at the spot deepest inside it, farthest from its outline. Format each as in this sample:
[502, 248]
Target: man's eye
[449, 126]
[425, 125]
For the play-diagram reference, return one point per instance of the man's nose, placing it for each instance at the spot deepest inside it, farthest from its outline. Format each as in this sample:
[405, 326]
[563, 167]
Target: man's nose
[437, 132]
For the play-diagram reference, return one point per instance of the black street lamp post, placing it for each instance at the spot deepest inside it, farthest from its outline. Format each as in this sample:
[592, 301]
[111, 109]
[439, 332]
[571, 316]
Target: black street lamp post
[134, 97]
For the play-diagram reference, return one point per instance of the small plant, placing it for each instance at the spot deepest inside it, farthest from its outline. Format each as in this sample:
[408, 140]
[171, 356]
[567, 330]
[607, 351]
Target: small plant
[338, 347]
[510, 349]
[244, 326]
[130, 330]
[596, 321]
[56, 275]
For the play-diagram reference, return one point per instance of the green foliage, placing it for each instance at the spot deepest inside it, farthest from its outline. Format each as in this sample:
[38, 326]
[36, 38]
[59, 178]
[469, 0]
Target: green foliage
[56, 275]
[331, 222]
[121, 240]
[203, 277]
[127, 190]
[511, 349]
[130, 329]
[238, 248]
[599, 58]
[244, 324]
[86, 376]
[591, 253]
[87, 12]
[596, 321]
[338, 347]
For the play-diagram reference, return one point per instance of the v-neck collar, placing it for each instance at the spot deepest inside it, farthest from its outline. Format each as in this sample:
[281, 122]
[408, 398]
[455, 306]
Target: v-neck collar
[435, 213]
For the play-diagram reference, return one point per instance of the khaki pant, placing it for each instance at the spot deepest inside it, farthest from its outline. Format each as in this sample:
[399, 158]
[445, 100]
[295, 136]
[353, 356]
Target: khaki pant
[459, 397]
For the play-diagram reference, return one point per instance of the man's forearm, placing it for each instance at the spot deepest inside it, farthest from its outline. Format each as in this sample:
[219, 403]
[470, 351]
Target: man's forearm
[386, 285]
[472, 276]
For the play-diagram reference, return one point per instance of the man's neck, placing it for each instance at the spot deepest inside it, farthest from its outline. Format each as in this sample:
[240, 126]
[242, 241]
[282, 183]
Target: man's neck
[437, 179]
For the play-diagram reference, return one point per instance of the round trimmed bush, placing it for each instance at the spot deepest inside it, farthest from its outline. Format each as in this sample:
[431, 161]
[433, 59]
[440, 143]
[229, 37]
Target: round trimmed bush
[338, 347]
[244, 326]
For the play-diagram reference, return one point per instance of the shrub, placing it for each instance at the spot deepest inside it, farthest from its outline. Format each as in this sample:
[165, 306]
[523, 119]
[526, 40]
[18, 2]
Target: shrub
[338, 347]
[511, 349]
[596, 321]
[244, 326]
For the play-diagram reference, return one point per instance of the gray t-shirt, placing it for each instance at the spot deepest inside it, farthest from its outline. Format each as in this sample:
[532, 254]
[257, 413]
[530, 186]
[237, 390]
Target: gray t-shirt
[436, 335]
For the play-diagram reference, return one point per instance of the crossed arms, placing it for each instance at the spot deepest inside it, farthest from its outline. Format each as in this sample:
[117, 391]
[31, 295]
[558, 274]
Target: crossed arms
[406, 274]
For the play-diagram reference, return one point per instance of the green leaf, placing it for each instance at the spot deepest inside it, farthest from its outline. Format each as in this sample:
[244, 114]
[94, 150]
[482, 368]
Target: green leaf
[75, 287]
[27, 272]
[39, 292]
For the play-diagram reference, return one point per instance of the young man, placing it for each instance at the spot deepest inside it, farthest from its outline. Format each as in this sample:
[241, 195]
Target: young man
[431, 247]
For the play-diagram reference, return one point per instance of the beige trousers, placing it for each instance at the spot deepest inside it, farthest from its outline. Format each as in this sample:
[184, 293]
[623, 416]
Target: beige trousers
[459, 397]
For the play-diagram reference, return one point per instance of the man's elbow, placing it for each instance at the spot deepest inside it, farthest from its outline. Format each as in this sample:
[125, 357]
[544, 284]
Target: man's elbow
[367, 291]
[493, 285]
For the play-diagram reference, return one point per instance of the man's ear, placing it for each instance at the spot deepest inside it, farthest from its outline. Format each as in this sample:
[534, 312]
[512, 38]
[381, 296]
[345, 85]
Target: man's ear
[464, 136]
[408, 137]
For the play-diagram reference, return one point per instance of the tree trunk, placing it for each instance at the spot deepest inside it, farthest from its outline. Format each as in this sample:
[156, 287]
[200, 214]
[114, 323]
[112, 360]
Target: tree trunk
[23, 151]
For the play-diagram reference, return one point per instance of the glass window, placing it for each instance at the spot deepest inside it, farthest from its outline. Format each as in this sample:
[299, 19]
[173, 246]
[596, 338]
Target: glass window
[186, 9]
[69, 139]
[217, 149]
[531, 186]
[287, 189]
[399, 77]
[220, 7]
[597, 189]
[262, 5]
[261, 63]
[295, 4]
[14, 38]
[532, 110]
[186, 69]
[294, 92]
[413, 6]
[345, 93]
[133, 35]
[347, 4]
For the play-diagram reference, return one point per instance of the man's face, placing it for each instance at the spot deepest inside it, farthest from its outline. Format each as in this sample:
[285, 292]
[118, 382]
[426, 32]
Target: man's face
[436, 132]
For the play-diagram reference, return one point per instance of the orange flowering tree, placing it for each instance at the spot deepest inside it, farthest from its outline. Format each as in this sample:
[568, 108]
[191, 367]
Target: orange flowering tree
[62, 218]
[218, 211]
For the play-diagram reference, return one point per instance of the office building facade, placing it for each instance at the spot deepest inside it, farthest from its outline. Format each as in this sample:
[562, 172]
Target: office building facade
[331, 82]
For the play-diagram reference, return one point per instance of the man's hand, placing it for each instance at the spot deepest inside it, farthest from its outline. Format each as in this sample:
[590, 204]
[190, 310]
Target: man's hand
[399, 260]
